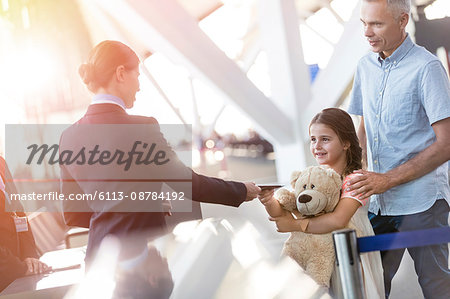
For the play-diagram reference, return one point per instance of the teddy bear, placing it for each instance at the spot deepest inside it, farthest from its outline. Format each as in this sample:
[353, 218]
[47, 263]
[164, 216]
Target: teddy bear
[316, 191]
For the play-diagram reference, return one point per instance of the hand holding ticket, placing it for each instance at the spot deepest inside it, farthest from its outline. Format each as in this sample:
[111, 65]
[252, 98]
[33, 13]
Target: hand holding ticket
[267, 192]
[269, 186]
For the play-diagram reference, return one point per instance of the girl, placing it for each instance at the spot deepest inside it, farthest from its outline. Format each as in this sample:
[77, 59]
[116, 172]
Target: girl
[334, 144]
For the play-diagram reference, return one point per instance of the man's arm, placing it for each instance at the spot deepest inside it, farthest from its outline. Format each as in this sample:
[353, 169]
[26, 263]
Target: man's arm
[436, 154]
[363, 142]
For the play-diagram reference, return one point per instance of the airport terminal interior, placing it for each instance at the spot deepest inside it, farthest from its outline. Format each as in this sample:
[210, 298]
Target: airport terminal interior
[242, 79]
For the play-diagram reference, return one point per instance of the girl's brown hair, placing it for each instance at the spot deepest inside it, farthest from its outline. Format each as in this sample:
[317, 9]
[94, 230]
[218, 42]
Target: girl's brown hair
[342, 124]
[103, 61]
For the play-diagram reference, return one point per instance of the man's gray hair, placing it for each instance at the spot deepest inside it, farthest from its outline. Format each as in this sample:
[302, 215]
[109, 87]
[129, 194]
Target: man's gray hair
[397, 7]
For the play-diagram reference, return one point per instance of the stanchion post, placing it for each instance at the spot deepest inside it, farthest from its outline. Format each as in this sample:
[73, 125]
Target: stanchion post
[348, 267]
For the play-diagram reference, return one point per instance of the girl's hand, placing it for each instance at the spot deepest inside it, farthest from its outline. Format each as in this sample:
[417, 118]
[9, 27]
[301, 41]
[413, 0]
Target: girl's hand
[266, 196]
[286, 223]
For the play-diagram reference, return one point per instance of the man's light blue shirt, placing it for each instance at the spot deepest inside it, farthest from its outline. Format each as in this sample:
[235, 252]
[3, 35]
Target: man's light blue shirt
[400, 97]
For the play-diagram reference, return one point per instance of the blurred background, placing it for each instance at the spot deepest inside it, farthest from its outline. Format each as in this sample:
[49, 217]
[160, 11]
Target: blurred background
[248, 75]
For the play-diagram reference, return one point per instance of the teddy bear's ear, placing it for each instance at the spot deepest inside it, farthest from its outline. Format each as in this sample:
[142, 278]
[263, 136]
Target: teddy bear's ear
[294, 176]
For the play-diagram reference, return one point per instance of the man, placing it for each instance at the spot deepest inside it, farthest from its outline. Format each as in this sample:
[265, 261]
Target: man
[402, 93]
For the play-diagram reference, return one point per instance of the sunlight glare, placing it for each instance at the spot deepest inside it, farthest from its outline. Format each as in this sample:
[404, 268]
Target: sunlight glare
[99, 280]
[25, 17]
[5, 5]
[245, 247]
[29, 69]
[326, 24]
[219, 155]
[344, 8]
[438, 10]
[210, 143]
[184, 231]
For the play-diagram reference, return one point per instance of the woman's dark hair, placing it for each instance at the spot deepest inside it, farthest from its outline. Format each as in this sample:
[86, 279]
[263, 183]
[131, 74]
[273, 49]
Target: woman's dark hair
[103, 61]
[342, 124]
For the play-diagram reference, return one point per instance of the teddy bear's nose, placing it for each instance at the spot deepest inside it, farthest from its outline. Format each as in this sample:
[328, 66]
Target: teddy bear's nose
[304, 198]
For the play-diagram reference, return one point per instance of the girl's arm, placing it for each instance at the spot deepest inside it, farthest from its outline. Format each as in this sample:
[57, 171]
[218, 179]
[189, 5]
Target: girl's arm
[326, 223]
[272, 205]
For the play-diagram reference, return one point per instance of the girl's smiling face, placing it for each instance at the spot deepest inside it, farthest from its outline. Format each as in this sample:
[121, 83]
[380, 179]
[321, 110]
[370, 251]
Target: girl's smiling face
[327, 148]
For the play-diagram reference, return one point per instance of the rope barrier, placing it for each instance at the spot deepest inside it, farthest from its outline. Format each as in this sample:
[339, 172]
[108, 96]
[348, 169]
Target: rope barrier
[404, 239]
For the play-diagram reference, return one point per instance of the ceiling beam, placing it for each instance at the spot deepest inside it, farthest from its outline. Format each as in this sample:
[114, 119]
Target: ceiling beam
[164, 26]
[289, 77]
[333, 81]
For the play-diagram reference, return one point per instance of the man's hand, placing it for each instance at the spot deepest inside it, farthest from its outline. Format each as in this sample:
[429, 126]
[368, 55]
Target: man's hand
[368, 183]
[35, 266]
[286, 223]
[252, 190]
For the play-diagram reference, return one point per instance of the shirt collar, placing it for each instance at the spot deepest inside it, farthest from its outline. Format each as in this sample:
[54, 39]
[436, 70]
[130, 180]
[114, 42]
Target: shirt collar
[399, 53]
[107, 99]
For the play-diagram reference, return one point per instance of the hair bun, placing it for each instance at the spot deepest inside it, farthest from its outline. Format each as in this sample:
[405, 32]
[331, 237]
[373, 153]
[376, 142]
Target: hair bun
[86, 71]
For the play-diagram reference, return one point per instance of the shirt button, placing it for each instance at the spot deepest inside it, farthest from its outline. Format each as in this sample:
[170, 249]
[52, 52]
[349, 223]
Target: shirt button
[375, 161]
[377, 116]
[381, 93]
[376, 139]
[386, 71]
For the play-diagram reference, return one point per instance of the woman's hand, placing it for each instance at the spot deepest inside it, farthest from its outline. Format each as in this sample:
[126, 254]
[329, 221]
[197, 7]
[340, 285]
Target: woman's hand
[286, 223]
[35, 266]
[266, 196]
[252, 190]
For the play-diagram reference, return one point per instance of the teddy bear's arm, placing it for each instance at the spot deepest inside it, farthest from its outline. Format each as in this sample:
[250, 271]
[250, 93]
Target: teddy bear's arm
[286, 199]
